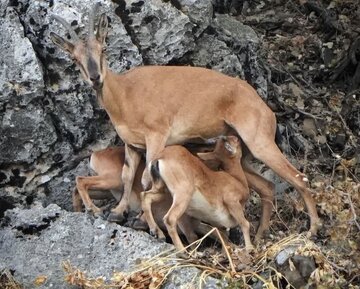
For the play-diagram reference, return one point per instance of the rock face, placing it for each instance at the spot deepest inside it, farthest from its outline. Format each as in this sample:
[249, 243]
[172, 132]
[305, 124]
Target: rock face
[161, 32]
[50, 119]
[35, 242]
[21, 83]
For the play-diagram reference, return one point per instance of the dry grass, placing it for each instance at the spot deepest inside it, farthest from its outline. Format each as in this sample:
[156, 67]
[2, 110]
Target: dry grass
[234, 267]
[7, 281]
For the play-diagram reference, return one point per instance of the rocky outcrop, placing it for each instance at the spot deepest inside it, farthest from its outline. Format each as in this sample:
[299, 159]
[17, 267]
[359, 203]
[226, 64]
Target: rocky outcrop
[50, 119]
[160, 31]
[21, 84]
[35, 242]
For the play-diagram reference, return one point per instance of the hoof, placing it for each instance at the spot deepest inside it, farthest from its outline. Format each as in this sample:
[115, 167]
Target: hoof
[162, 239]
[183, 255]
[115, 218]
[100, 215]
[250, 249]
[315, 227]
[139, 225]
[105, 214]
[153, 233]
[93, 211]
[158, 235]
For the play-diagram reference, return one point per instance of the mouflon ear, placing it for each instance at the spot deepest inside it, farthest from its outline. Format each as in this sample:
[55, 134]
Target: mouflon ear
[102, 28]
[62, 43]
[230, 148]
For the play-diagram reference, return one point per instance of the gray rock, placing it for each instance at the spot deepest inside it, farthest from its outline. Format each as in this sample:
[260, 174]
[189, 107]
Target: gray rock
[3, 6]
[35, 219]
[230, 47]
[200, 12]
[294, 278]
[61, 187]
[233, 7]
[121, 52]
[59, 184]
[26, 134]
[184, 278]
[284, 255]
[245, 44]
[305, 265]
[21, 75]
[35, 242]
[230, 27]
[161, 31]
[214, 53]
[73, 113]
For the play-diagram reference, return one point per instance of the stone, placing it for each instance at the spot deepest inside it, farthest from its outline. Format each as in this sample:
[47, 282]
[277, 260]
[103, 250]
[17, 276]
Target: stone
[159, 29]
[36, 241]
[284, 255]
[21, 73]
[233, 7]
[61, 186]
[213, 53]
[230, 47]
[29, 221]
[245, 44]
[121, 53]
[26, 134]
[305, 265]
[200, 12]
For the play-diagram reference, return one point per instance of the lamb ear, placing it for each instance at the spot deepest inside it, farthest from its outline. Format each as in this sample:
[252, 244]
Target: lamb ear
[230, 148]
[62, 43]
[206, 156]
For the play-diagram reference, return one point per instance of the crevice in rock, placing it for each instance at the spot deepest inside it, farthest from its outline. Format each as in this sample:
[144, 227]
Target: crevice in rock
[2, 109]
[20, 11]
[112, 238]
[38, 47]
[5, 205]
[123, 14]
[35, 229]
[174, 3]
[233, 7]
[15, 179]
[10, 174]
[113, 235]
[3, 177]
[20, 7]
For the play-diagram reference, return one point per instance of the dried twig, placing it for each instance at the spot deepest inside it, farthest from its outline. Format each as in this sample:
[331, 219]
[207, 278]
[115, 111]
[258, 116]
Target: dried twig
[352, 208]
[7, 280]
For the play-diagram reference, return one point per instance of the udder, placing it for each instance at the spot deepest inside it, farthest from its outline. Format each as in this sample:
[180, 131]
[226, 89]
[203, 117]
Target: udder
[200, 208]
